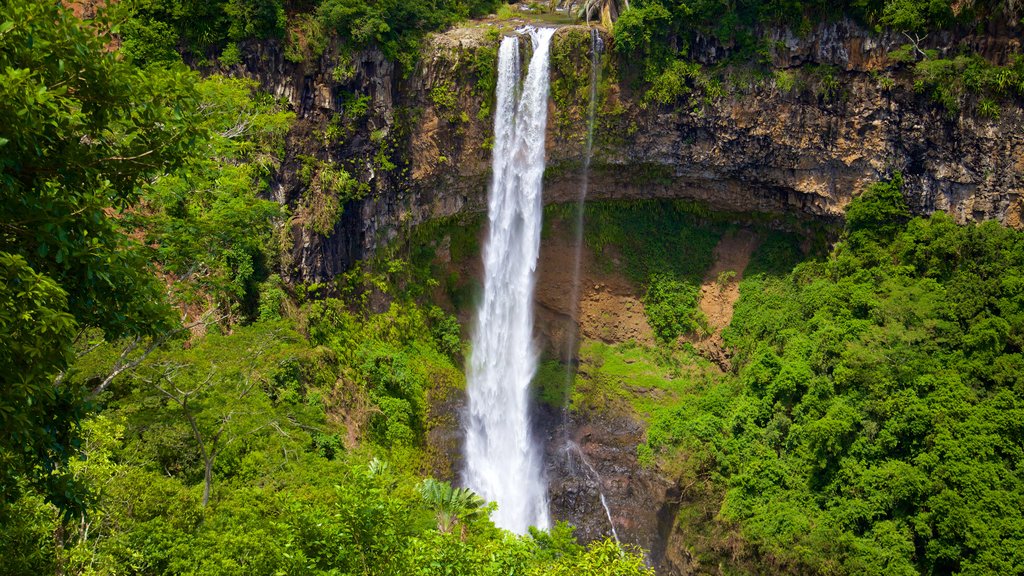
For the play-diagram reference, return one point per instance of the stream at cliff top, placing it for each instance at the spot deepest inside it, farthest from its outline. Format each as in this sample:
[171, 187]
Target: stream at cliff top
[503, 461]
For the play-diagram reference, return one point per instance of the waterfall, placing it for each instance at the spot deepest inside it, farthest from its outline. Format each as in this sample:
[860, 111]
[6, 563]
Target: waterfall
[571, 447]
[572, 332]
[503, 463]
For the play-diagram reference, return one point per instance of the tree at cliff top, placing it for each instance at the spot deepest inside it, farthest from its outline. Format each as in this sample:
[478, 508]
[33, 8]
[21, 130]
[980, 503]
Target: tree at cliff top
[158, 29]
[396, 26]
[82, 130]
[656, 32]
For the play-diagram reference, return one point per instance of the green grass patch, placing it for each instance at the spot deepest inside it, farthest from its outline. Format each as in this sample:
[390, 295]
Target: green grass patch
[551, 384]
[633, 377]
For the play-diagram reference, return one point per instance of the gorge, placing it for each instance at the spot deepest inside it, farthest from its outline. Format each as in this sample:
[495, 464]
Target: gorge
[762, 148]
[467, 287]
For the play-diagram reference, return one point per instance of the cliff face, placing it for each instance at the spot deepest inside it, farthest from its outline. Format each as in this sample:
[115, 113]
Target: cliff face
[846, 121]
[836, 116]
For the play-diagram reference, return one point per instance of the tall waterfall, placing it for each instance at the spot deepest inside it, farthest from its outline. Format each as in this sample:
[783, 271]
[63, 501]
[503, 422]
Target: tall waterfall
[573, 328]
[503, 463]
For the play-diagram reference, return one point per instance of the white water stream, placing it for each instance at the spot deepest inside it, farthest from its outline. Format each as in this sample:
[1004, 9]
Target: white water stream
[503, 462]
[571, 447]
[596, 48]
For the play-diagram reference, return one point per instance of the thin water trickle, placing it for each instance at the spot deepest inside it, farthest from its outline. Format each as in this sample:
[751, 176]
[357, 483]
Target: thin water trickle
[572, 331]
[571, 447]
[503, 462]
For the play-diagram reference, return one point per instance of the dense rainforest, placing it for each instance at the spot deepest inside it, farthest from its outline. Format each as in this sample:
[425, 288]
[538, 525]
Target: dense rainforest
[173, 403]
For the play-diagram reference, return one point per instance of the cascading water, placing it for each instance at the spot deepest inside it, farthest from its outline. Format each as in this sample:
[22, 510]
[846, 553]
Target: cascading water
[596, 47]
[570, 448]
[503, 463]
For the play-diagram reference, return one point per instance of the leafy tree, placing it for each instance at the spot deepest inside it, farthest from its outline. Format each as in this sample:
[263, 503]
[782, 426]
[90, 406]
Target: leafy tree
[916, 16]
[601, 558]
[156, 30]
[82, 131]
[670, 307]
[396, 26]
[865, 438]
[37, 416]
[880, 212]
[211, 228]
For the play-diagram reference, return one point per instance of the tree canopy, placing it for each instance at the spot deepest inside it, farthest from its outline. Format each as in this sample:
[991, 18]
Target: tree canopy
[82, 131]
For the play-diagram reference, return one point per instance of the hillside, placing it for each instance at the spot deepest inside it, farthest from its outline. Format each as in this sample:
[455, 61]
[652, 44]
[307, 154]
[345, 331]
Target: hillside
[245, 254]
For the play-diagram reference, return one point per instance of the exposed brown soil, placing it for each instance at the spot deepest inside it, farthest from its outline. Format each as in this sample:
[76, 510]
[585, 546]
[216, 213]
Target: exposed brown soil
[720, 291]
[610, 309]
[352, 410]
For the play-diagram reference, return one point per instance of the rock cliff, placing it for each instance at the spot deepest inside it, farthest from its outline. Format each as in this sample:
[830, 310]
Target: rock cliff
[836, 115]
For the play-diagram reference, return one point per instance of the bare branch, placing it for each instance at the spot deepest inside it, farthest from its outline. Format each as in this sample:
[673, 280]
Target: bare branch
[916, 40]
[123, 363]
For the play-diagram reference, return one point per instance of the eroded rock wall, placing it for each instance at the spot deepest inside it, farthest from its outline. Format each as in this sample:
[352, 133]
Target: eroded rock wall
[851, 118]
[846, 117]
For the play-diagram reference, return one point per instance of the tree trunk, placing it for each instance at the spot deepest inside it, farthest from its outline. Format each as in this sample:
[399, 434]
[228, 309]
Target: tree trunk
[207, 480]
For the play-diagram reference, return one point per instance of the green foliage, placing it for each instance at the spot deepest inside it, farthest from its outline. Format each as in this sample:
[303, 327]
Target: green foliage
[777, 254]
[271, 298]
[444, 330]
[505, 12]
[61, 184]
[356, 107]
[570, 82]
[879, 212]
[826, 84]
[306, 39]
[484, 66]
[551, 381]
[443, 96]
[873, 400]
[916, 15]
[652, 237]
[681, 78]
[446, 101]
[396, 26]
[784, 80]
[671, 307]
[38, 415]
[83, 130]
[231, 55]
[329, 187]
[254, 19]
[145, 40]
[640, 31]
[954, 82]
[208, 224]
[155, 29]
[602, 558]
[451, 505]
[654, 37]
[288, 495]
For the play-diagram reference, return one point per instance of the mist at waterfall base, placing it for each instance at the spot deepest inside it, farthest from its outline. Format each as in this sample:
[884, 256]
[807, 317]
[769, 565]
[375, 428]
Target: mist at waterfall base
[503, 462]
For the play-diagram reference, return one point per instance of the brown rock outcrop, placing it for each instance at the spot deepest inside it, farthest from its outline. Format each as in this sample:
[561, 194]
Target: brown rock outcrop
[847, 117]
